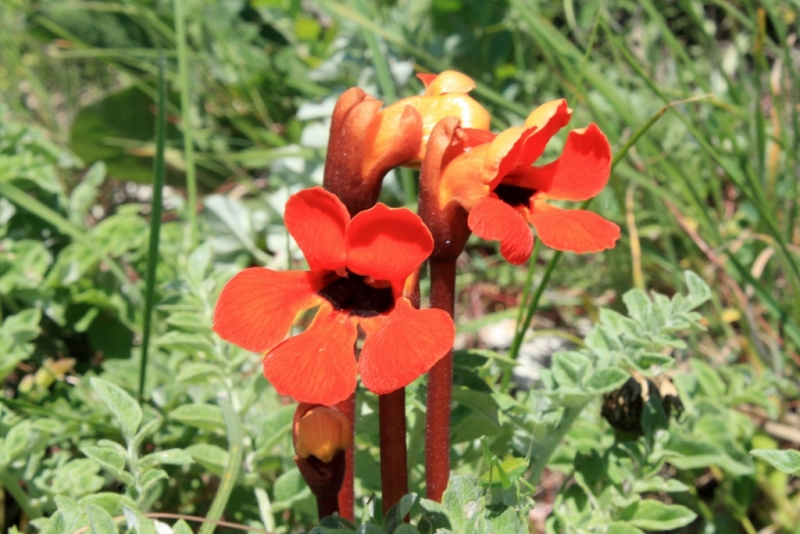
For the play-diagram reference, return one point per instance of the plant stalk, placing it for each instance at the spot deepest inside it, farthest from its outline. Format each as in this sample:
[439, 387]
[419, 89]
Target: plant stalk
[394, 456]
[440, 387]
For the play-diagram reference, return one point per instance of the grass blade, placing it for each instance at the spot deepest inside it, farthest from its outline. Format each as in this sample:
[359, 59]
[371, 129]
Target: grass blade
[186, 122]
[159, 171]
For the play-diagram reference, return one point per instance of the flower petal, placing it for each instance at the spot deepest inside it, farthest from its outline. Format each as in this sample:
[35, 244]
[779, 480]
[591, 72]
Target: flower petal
[394, 138]
[317, 220]
[448, 81]
[387, 244]
[543, 123]
[319, 365]
[494, 220]
[581, 171]
[258, 306]
[573, 230]
[406, 347]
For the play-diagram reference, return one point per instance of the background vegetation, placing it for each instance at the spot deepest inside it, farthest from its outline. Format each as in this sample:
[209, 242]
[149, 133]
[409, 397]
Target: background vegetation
[700, 103]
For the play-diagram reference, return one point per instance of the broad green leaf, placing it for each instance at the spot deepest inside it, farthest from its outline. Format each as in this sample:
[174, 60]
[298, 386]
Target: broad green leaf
[121, 404]
[658, 484]
[699, 292]
[72, 514]
[113, 503]
[16, 441]
[708, 378]
[150, 478]
[204, 416]
[109, 459]
[212, 457]
[100, 521]
[569, 367]
[84, 194]
[787, 461]
[622, 528]
[637, 303]
[606, 379]
[197, 373]
[650, 514]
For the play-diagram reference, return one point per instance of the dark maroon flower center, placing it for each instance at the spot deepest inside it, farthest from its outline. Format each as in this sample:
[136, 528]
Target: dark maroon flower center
[354, 296]
[514, 195]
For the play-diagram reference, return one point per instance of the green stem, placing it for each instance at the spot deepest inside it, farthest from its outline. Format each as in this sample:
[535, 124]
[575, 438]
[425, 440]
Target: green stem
[228, 480]
[186, 122]
[12, 486]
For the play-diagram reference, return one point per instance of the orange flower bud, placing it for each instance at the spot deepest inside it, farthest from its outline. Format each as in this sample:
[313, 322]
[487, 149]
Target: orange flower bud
[445, 96]
[321, 432]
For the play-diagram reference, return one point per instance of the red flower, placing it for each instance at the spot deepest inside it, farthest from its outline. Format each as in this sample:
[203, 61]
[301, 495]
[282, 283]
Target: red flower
[492, 178]
[357, 271]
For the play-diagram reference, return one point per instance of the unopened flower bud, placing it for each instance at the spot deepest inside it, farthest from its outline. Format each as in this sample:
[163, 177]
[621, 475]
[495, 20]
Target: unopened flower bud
[321, 432]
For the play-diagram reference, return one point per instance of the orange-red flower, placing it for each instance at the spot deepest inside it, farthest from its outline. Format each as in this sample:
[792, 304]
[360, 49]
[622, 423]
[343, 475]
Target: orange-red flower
[445, 96]
[358, 268]
[493, 179]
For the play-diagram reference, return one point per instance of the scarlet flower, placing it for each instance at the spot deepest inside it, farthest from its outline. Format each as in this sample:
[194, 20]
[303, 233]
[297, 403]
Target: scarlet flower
[492, 178]
[357, 271]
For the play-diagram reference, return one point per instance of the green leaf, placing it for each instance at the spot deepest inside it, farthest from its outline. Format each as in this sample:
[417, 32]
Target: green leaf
[165, 457]
[699, 292]
[197, 373]
[204, 416]
[658, 484]
[113, 503]
[84, 194]
[109, 459]
[71, 512]
[569, 368]
[637, 303]
[121, 404]
[150, 478]
[100, 521]
[622, 528]
[787, 461]
[209, 456]
[655, 515]
[606, 379]
[465, 502]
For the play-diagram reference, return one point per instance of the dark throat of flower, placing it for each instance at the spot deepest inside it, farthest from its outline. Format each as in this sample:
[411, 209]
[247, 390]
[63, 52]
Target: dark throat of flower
[514, 195]
[355, 296]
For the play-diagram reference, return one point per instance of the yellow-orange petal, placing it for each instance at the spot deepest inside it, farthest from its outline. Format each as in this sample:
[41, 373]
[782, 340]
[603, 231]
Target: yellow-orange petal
[432, 109]
[448, 81]
[321, 431]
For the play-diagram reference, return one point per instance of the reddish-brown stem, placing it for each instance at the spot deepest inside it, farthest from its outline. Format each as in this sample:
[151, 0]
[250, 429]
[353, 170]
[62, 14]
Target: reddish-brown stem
[326, 506]
[440, 387]
[394, 461]
[346, 498]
